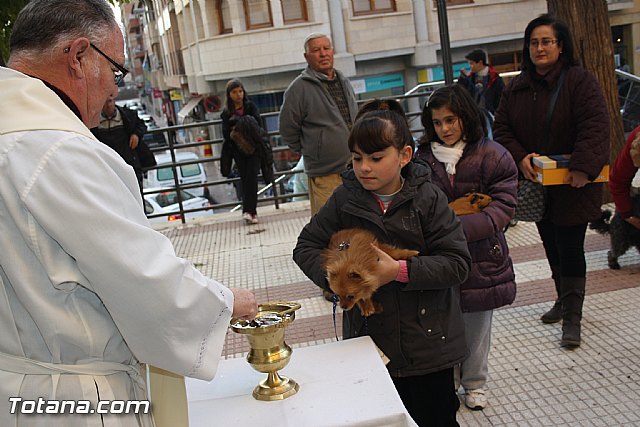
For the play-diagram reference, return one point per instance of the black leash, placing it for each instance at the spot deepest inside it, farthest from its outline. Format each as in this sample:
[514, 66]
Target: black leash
[334, 299]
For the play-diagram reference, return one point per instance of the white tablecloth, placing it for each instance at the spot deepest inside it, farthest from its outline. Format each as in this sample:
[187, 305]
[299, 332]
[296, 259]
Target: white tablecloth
[342, 383]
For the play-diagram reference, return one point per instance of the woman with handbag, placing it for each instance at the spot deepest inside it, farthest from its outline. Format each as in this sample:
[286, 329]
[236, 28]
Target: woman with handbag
[555, 106]
[248, 162]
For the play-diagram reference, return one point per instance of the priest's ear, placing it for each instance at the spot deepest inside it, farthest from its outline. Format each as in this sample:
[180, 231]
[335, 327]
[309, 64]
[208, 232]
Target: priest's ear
[77, 52]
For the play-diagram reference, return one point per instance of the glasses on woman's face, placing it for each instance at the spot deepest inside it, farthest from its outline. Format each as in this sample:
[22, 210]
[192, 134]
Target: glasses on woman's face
[120, 71]
[534, 43]
[447, 121]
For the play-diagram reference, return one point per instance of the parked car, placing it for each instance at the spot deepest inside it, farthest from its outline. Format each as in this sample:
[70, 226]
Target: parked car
[154, 139]
[148, 119]
[187, 174]
[135, 105]
[167, 203]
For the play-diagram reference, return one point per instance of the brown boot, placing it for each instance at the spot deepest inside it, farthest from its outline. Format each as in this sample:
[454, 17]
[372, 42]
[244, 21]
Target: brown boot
[572, 300]
[554, 315]
[570, 334]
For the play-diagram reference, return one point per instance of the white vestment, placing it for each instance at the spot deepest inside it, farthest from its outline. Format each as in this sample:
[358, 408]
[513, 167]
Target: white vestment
[84, 280]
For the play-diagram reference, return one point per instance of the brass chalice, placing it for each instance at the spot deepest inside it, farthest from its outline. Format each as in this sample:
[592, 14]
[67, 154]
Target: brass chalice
[269, 353]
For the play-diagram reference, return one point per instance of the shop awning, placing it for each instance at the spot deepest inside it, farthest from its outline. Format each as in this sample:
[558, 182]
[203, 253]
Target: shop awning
[188, 107]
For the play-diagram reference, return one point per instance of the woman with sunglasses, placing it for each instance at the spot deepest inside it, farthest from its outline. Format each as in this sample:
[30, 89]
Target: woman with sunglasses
[528, 123]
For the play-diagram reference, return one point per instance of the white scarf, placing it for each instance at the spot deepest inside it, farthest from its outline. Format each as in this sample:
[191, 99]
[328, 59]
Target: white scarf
[449, 155]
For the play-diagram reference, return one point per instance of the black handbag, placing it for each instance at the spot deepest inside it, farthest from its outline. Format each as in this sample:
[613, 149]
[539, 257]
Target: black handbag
[532, 197]
[531, 201]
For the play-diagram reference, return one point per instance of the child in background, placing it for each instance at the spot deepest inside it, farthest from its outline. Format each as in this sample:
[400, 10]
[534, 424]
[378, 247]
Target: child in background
[463, 161]
[420, 329]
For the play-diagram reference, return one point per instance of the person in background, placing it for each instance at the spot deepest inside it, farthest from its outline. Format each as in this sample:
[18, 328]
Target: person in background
[621, 177]
[579, 126]
[464, 161]
[420, 329]
[238, 105]
[483, 82]
[121, 129]
[89, 290]
[317, 113]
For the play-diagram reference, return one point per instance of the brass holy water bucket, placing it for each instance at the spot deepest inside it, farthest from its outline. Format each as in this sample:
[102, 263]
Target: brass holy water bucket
[269, 352]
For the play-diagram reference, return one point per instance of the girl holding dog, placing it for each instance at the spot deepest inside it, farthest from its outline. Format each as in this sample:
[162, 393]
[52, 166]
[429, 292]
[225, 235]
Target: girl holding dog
[420, 328]
[236, 106]
[464, 161]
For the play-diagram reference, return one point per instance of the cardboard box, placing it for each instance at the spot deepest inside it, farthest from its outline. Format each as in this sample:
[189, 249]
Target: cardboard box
[553, 169]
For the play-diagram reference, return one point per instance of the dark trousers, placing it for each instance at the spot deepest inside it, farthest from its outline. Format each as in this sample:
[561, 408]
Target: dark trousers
[430, 399]
[564, 247]
[248, 168]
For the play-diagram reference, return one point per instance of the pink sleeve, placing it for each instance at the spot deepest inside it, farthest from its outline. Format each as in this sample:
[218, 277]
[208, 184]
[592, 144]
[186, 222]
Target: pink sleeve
[403, 272]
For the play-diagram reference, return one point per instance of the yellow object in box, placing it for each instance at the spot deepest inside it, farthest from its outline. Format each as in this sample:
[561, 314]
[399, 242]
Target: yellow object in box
[553, 169]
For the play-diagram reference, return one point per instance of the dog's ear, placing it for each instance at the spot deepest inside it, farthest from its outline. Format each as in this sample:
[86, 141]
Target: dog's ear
[326, 258]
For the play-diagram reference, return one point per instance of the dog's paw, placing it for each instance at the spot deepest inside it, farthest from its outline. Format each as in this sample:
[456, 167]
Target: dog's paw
[612, 261]
[368, 307]
[378, 307]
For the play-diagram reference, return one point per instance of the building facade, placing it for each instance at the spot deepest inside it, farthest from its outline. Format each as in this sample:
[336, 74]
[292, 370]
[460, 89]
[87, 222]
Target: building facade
[385, 47]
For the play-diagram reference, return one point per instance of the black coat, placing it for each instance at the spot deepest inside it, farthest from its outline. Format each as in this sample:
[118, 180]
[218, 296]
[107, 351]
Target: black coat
[579, 126]
[487, 95]
[137, 158]
[421, 328]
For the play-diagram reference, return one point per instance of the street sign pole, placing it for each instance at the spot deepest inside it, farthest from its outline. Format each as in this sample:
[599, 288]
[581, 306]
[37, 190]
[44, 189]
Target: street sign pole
[445, 45]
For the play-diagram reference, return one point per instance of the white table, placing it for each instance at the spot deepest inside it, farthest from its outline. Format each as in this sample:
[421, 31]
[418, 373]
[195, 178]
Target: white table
[342, 383]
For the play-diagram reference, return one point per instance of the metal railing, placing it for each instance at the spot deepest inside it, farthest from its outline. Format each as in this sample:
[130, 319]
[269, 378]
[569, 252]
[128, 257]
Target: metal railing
[629, 95]
[628, 89]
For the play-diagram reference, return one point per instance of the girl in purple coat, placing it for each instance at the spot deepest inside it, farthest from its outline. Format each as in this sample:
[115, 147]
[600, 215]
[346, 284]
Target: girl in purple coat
[464, 161]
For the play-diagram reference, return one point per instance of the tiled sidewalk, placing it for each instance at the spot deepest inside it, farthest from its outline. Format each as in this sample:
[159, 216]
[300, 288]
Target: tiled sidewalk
[533, 382]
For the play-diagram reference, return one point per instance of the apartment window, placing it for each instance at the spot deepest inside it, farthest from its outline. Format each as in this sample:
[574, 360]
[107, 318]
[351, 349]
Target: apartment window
[257, 14]
[368, 7]
[294, 11]
[224, 17]
[453, 2]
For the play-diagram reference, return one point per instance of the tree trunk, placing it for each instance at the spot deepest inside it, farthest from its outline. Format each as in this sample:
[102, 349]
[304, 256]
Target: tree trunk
[588, 21]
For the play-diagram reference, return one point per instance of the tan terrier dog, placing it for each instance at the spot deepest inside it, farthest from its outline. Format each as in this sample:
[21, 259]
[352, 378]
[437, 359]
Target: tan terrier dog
[351, 266]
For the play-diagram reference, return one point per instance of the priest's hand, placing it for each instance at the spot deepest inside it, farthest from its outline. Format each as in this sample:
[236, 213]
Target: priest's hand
[244, 304]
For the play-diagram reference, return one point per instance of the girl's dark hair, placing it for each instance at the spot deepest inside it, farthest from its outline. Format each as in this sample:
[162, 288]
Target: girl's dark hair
[379, 129]
[562, 33]
[231, 85]
[459, 101]
[381, 104]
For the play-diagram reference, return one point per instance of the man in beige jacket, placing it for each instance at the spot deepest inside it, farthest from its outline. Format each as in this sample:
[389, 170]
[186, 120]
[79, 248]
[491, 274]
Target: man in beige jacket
[88, 290]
